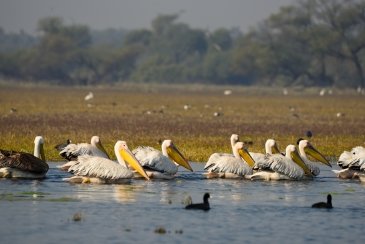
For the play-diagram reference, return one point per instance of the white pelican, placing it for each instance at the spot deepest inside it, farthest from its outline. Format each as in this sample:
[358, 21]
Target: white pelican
[350, 162]
[224, 165]
[261, 161]
[72, 151]
[306, 148]
[161, 165]
[24, 165]
[95, 169]
[288, 167]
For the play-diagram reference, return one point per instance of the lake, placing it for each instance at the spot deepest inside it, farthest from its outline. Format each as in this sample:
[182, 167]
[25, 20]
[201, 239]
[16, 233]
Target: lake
[242, 211]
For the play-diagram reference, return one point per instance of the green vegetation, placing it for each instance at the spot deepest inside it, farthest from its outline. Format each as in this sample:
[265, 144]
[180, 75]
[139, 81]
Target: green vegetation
[143, 115]
[310, 43]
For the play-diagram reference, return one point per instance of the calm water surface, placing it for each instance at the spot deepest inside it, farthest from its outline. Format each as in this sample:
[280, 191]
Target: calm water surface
[242, 211]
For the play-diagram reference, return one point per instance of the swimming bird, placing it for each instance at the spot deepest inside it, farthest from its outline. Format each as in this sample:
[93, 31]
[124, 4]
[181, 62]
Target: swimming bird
[327, 204]
[61, 146]
[306, 148]
[24, 165]
[161, 165]
[224, 165]
[261, 161]
[95, 169]
[288, 167]
[350, 162]
[202, 206]
[72, 151]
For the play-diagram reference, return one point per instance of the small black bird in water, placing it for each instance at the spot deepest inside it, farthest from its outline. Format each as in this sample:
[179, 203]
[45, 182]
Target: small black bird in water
[203, 206]
[327, 204]
[61, 146]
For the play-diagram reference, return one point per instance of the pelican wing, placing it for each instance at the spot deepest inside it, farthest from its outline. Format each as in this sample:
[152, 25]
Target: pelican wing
[22, 161]
[352, 159]
[227, 163]
[72, 151]
[261, 162]
[285, 166]
[152, 159]
[314, 169]
[93, 166]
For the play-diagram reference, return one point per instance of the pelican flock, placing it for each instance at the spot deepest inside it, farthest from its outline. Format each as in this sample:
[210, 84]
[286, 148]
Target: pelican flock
[91, 163]
[24, 165]
[161, 165]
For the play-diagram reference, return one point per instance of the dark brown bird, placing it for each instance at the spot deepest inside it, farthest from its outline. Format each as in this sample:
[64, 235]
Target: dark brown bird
[327, 204]
[202, 206]
[24, 165]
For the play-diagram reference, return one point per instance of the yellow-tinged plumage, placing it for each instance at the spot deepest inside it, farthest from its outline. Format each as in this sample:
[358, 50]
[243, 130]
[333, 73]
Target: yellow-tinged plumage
[288, 167]
[306, 148]
[161, 164]
[101, 170]
[236, 165]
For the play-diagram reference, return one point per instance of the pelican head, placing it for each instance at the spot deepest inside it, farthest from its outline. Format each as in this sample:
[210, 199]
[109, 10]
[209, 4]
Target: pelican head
[234, 138]
[306, 148]
[122, 149]
[169, 149]
[239, 146]
[95, 141]
[38, 148]
[292, 153]
[271, 146]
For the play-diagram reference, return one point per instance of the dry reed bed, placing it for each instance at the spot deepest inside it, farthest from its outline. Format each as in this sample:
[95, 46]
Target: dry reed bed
[144, 117]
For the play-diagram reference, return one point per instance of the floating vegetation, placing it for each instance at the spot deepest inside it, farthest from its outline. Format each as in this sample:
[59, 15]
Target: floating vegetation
[160, 230]
[63, 199]
[350, 189]
[34, 196]
[77, 217]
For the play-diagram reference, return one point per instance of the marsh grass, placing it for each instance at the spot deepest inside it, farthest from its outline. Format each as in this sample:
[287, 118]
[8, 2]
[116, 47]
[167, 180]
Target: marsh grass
[143, 115]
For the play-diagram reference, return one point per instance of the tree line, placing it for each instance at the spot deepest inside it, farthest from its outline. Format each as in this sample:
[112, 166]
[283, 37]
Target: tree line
[309, 43]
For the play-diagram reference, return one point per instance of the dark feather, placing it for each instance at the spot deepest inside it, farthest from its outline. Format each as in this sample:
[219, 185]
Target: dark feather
[22, 161]
[327, 204]
[202, 206]
[61, 146]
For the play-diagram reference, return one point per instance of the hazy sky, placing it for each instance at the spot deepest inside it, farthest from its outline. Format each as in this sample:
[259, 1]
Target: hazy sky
[16, 15]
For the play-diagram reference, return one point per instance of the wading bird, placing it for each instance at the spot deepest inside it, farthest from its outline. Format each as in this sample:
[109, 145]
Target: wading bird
[306, 148]
[95, 169]
[72, 151]
[261, 161]
[232, 166]
[24, 165]
[161, 165]
[351, 162]
[288, 167]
